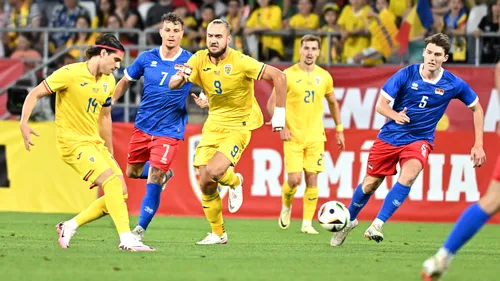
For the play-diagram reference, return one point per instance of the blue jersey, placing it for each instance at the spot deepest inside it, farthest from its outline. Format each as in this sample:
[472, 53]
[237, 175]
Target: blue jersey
[426, 101]
[162, 111]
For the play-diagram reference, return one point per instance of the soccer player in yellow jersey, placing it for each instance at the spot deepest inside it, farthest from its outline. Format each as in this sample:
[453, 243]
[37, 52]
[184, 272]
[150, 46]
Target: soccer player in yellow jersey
[84, 138]
[304, 134]
[227, 77]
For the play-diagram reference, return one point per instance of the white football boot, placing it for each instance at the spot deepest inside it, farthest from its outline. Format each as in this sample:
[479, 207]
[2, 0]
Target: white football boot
[235, 199]
[338, 238]
[213, 239]
[284, 219]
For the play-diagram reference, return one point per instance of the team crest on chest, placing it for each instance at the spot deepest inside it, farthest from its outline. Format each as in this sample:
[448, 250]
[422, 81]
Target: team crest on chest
[439, 91]
[105, 87]
[318, 80]
[228, 68]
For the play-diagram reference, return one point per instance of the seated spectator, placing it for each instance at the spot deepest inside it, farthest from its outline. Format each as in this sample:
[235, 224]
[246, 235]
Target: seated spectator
[207, 15]
[190, 33]
[25, 52]
[81, 38]
[129, 17]
[454, 26]
[153, 19]
[490, 49]
[218, 6]
[330, 16]
[353, 21]
[105, 8]
[65, 15]
[234, 17]
[304, 20]
[23, 13]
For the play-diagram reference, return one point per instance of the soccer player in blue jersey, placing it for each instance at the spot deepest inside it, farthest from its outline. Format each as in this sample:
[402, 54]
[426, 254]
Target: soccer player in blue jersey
[471, 221]
[161, 119]
[421, 93]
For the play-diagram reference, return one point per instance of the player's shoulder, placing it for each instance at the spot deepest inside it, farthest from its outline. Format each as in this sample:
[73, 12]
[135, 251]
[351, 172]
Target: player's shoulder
[409, 70]
[451, 78]
[73, 69]
[320, 70]
[292, 69]
[186, 54]
[201, 53]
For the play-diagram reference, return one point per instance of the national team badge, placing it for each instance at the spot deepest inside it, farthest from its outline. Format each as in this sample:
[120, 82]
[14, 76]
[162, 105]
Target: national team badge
[439, 92]
[194, 175]
[318, 80]
[228, 68]
[105, 87]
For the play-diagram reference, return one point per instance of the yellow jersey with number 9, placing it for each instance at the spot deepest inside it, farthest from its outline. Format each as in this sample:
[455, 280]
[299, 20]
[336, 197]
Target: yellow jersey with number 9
[229, 86]
[79, 100]
[304, 102]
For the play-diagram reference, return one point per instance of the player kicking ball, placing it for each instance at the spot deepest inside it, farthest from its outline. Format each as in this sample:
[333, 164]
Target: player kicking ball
[471, 221]
[421, 93]
[84, 135]
[227, 77]
[161, 119]
[304, 135]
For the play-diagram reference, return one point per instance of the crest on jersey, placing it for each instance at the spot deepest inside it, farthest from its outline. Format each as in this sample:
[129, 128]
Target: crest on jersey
[439, 91]
[228, 68]
[194, 175]
[318, 80]
[105, 87]
[91, 159]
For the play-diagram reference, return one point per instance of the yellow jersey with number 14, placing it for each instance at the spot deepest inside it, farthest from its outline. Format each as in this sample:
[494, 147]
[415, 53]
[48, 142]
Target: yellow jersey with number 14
[304, 102]
[79, 100]
[229, 86]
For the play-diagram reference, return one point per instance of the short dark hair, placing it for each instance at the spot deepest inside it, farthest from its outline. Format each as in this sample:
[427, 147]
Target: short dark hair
[105, 40]
[310, 38]
[173, 18]
[223, 22]
[439, 39]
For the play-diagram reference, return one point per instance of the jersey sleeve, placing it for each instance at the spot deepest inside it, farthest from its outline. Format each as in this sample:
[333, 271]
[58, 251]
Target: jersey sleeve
[58, 80]
[135, 71]
[252, 68]
[329, 84]
[392, 87]
[467, 95]
[194, 62]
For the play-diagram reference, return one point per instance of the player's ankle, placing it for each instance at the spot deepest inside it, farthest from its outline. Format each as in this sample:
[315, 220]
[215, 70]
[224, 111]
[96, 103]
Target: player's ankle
[378, 221]
[446, 255]
[71, 224]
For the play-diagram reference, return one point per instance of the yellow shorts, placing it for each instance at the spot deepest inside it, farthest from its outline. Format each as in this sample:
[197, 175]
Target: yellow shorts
[230, 142]
[304, 156]
[90, 160]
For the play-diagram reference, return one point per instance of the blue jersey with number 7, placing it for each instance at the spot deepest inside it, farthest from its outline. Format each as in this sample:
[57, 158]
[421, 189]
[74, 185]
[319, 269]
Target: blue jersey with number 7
[426, 101]
[162, 111]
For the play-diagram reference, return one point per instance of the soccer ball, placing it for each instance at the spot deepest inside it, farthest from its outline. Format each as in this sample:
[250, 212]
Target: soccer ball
[333, 216]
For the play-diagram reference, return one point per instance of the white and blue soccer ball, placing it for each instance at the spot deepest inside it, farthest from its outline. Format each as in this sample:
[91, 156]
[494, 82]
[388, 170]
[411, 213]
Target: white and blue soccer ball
[333, 216]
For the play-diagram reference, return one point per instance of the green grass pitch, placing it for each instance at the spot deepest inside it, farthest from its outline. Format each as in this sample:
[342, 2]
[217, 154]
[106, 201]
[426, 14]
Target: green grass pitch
[257, 250]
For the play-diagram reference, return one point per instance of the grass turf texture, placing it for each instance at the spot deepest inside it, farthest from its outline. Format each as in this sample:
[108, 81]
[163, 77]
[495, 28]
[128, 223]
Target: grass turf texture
[257, 250]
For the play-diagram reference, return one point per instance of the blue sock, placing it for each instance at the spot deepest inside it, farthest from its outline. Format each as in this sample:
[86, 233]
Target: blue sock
[150, 204]
[472, 219]
[358, 202]
[145, 171]
[394, 199]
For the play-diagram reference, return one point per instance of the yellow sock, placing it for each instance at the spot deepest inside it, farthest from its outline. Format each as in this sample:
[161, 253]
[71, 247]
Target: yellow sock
[95, 211]
[310, 201]
[212, 206]
[287, 194]
[229, 178]
[115, 204]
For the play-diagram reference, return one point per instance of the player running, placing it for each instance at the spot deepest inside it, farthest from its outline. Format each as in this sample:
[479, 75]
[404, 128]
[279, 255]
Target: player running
[227, 77]
[161, 119]
[304, 135]
[471, 221]
[84, 137]
[421, 94]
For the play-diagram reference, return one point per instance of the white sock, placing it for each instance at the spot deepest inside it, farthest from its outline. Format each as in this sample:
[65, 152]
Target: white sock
[306, 223]
[127, 238]
[378, 221]
[71, 223]
[286, 208]
[447, 255]
[139, 229]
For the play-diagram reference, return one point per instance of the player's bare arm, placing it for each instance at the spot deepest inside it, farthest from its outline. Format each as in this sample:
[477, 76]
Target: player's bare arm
[333, 105]
[477, 154]
[180, 78]
[105, 127]
[279, 81]
[386, 110]
[285, 134]
[29, 103]
[120, 89]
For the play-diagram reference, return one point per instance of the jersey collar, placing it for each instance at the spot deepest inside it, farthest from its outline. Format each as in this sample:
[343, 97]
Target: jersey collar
[169, 59]
[435, 81]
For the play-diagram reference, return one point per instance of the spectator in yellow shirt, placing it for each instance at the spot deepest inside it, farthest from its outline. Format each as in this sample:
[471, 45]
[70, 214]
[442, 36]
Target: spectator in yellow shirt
[304, 20]
[353, 21]
[330, 16]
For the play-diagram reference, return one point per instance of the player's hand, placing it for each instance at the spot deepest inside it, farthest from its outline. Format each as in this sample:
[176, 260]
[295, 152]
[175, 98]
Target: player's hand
[340, 140]
[27, 131]
[402, 118]
[200, 100]
[477, 156]
[285, 134]
[183, 70]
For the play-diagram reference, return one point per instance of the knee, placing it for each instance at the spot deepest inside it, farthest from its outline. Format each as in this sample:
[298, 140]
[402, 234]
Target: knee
[407, 181]
[215, 172]
[294, 180]
[371, 184]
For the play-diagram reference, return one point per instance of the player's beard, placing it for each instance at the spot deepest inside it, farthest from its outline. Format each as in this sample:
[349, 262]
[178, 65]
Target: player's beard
[218, 53]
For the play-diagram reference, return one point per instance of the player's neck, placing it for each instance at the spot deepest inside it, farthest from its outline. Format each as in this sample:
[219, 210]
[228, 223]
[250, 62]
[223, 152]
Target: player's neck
[306, 68]
[170, 53]
[430, 75]
[219, 59]
[93, 67]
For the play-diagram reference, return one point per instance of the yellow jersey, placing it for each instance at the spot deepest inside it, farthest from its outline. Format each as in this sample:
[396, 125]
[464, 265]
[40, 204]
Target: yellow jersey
[304, 102]
[384, 32]
[299, 21]
[269, 17]
[350, 21]
[79, 101]
[229, 87]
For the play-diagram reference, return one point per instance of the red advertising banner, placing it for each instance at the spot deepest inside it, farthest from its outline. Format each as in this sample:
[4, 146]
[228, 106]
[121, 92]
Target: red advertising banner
[357, 90]
[447, 185]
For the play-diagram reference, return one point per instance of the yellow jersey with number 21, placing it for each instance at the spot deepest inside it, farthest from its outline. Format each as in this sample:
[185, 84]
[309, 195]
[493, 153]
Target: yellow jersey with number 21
[229, 86]
[79, 100]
